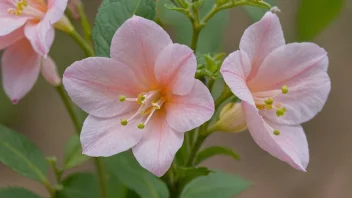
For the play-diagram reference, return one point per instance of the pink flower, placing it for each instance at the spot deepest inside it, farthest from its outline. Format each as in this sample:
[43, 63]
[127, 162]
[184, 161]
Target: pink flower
[144, 97]
[36, 17]
[281, 86]
[21, 66]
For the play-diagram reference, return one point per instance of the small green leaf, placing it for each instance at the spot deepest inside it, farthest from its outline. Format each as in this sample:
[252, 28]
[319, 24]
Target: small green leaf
[125, 167]
[17, 192]
[219, 185]
[80, 185]
[21, 155]
[73, 153]
[112, 14]
[210, 64]
[215, 150]
[315, 15]
[187, 174]
[256, 13]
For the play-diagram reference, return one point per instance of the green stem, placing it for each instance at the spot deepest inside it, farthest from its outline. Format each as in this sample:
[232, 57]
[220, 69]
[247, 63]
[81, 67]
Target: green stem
[102, 179]
[88, 50]
[51, 190]
[87, 28]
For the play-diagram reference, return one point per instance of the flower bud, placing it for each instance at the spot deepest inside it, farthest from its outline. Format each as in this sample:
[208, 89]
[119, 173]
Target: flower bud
[231, 118]
[73, 7]
[64, 25]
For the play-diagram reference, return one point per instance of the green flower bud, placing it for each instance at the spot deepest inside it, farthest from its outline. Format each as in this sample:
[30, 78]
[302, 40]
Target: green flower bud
[231, 119]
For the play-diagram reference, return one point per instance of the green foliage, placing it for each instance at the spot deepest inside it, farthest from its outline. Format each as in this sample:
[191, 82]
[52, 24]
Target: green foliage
[110, 17]
[17, 192]
[215, 150]
[73, 153]
[256, 13]
[212, 35]
[219, 185]
[17, 152]
[315, 15]
[80, 185]
[126, 169]
[187, 174]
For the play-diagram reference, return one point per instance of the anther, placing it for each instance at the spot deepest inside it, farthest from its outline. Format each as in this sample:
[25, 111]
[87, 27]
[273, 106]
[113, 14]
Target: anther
[140, 99]
[269, 101]
[141, 125]
[281, 112]
[124, 122]
[284, 89]
[122, 98]
[276, 132]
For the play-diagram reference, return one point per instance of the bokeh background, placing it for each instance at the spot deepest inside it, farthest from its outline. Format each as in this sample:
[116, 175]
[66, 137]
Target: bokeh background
[41, 115]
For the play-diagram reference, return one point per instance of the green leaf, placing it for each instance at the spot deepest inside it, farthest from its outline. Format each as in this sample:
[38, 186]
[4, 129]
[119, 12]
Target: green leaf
[112, 14]
[256, 13]
[219, 185]
[211, 37]
[17, 192]
[187, 174]
[315, 15]
[125, 167]
[80, 185]
[73, 153]
[17, 152]
[215, 150]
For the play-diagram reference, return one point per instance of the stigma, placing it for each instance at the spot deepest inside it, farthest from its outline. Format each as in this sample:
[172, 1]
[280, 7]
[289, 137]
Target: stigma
[20, 5]
[149, 103]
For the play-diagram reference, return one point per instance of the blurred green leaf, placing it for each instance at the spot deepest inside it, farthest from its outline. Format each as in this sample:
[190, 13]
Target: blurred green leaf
[80, 185]
[315, 15]
[73, 153]
[219, 185]
[256, 13]
[21, 155]
[125, 167]
[17, 192]
[187, 174]
[112, 14]
[215, 150]
[212, 35]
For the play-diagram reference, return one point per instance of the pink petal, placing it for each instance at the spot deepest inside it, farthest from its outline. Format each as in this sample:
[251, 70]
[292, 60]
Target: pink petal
[20, 70]
[137, 43]
[235, 70]
[156, 151]
[107, 137]
[13, 37]
[187, 112]
[56, 10]
[41, 36]
[10, 24]
[95, 85]
[290, 146]
[49, 71]
[175, 68]
[260, 39]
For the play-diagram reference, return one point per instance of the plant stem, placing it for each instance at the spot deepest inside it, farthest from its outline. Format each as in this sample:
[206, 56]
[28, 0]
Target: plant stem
[102, 179]
[88, 50]
[87, 28]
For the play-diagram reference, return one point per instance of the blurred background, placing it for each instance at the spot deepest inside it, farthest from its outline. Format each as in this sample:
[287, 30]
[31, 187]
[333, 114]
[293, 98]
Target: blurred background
[41, 115]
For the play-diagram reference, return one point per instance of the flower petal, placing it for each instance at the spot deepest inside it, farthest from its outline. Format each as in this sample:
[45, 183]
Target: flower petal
[175, 68]
[290, 146]
[137, 43]
[10, 24]
[95, 85]
[260, 39]
[9, 39]
[49, 71]
[107, 137]
[41, 36]
[187, 112]
[156, 151]
[20, 69]
[235, 70]
[56, 10]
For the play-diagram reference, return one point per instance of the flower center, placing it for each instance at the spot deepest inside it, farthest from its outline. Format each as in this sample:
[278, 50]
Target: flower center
[148, 102]
[22, 8]
[270, 104]
[18, 10]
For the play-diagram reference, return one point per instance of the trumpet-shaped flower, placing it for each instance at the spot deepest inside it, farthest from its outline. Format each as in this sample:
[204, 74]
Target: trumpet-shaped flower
[280, 85]
[144, 97]
[21, 66]
[36, 17]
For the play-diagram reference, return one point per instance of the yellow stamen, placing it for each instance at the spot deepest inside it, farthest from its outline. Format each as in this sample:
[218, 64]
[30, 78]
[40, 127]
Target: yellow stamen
[122, 98]
[19, 8]
[141, 125]
[284, 89]
[269, 101]
[281, 112]
[124, 122]
[276, 132]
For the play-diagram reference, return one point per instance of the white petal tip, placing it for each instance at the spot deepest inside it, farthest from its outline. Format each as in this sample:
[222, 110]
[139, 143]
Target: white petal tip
[275, 10]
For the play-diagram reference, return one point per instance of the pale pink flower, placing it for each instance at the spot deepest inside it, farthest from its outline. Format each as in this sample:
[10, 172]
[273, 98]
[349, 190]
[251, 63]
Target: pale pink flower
[21, 66]
[144, 97]
[280, 85]
[36, 17]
